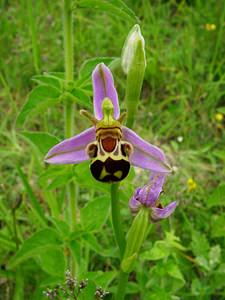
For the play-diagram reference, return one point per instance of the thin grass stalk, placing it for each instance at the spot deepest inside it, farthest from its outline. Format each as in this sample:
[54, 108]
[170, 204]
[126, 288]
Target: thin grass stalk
[69, 107]
[34, 39]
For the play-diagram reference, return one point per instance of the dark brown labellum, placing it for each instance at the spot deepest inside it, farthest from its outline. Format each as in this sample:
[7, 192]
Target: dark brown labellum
[111, 170]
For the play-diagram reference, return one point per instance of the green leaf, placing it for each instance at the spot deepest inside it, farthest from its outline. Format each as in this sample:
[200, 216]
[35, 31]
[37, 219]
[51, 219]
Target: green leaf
[199, 245]
[81, 97]
[60, 181]
[173, 241]
[35, 205]
[55, 176]
[160, 250]
[52, 261]
[88, 66]
[59, 75]
[203, 262]
[101, 278]
[93, 243]
[221, 110]
[217, 198]
[95, 213]
[220, 154]
[43, 141]
[39, 98]
[7, 243]
[158, 294]
[88, 292]
[218, 282]
[62, 227]
[112, 7]
[214, 256]
[197, 287]
[40, 241]
[174, 271]
[49, 80]
[218, 226]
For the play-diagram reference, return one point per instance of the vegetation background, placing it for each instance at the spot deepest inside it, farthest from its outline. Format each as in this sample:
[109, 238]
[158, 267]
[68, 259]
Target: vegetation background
[182, 110]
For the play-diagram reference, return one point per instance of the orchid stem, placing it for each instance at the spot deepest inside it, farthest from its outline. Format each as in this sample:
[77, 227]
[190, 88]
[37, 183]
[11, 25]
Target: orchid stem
[69, 107]
[121, 290]
[116, 218]
[120, 238]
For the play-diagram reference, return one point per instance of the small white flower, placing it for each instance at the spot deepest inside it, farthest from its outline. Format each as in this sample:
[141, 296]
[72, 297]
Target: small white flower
[180, 139]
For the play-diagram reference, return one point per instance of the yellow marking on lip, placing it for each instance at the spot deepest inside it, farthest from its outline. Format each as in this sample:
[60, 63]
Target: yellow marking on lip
[104, 173]
[118, 174]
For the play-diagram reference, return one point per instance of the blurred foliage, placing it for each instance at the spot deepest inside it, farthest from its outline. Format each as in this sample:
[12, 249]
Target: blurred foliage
[183, 258]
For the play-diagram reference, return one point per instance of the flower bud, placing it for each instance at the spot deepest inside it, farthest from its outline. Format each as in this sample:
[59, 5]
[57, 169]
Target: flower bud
[135, 238]
[133, 64]
[134, 47]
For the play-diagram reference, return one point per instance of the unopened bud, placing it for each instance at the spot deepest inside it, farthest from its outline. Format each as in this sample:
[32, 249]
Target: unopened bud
[133, 64]
[133, 48]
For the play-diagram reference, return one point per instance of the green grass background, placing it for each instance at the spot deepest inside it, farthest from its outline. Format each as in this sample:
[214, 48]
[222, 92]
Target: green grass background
[183, 90]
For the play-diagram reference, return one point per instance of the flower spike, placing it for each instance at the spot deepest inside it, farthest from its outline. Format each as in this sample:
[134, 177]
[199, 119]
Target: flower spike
[148, 197]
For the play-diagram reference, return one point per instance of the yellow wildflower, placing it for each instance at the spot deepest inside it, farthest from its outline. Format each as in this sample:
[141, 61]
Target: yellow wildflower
[192, 185]
[210, 27]
[219, 117]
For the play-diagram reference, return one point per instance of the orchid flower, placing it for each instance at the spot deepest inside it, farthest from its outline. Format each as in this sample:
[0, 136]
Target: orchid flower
[148, 196]
[109, 145]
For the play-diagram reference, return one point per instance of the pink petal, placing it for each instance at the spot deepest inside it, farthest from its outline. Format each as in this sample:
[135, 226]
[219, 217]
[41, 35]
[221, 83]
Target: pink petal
[134, 203]
[145, 155]
[150, 192]
[103, 86]
[72, 150]
[162, 213]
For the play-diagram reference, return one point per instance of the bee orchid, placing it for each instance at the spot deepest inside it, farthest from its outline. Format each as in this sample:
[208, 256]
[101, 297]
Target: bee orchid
[148, 196]
[110, 146]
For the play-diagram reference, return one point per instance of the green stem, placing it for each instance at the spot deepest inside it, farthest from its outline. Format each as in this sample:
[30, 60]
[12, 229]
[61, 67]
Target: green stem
[121, 290]
[34, 39]
[19, 285]
[116, 218]
[72, 205]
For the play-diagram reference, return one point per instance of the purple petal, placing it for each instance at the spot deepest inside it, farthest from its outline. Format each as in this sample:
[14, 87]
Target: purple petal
[103, 86]
[145, 155]
[162, 213]
[134, 203]
[155, 186]
[72, 150]
[149, 194]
